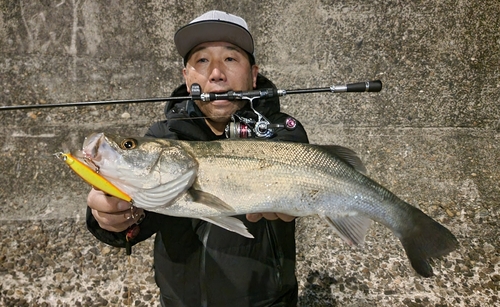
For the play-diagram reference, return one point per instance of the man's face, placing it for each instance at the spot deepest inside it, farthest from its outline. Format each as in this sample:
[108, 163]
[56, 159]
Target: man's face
[219, 67]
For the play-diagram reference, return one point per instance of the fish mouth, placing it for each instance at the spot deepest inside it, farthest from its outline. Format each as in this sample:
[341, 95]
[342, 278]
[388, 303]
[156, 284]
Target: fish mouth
[91, 145]
[90, 149]
[96, 150]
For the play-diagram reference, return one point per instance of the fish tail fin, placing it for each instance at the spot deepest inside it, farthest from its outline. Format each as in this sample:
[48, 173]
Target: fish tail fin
[425, 240]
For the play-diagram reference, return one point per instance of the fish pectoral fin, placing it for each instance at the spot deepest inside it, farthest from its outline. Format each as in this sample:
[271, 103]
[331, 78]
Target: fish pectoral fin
[352, 228]
[209, 200]
[229, 223]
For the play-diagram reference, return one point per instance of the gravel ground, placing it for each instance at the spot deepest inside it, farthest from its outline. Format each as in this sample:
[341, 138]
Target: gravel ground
[58, 263]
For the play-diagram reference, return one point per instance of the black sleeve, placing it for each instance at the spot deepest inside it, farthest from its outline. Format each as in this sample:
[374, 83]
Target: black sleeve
[160, 130]
[148, 227]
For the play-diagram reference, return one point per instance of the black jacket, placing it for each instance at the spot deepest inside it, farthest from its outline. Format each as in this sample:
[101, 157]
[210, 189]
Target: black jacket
[199, 264]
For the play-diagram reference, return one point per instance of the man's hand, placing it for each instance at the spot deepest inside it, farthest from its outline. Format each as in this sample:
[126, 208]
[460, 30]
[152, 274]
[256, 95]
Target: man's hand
[254, 217]
[111, 213]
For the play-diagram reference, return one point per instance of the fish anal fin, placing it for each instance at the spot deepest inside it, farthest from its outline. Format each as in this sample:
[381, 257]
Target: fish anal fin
[351, 228]
[209, 200]
[230, 224]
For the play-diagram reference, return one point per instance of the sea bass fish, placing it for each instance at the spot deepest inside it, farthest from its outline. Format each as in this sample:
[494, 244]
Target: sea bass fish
[216, 180]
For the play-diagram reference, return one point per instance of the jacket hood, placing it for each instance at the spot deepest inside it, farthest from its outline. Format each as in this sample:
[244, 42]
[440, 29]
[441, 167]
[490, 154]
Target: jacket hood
[265, 106]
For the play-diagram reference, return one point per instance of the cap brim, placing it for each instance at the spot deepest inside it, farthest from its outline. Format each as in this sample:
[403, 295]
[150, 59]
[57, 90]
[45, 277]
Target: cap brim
[191, 35]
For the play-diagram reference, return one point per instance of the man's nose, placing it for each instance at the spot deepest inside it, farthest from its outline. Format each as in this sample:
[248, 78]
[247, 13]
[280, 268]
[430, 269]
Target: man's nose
[217, 73]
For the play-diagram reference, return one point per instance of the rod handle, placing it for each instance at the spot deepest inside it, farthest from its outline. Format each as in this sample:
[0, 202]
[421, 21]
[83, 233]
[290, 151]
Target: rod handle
[368, 86]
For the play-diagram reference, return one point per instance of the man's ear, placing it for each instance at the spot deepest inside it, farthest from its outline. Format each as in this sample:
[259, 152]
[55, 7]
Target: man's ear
[255, 73]
[184, 74]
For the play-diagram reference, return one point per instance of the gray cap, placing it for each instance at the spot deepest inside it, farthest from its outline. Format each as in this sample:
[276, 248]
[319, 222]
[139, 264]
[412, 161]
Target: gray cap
[214, 26]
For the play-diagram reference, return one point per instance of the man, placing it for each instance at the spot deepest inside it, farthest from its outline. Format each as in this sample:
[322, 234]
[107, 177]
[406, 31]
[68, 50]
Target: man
[197, 263]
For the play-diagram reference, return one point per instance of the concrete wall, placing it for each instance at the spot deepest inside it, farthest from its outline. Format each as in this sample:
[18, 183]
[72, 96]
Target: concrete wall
[431, 136]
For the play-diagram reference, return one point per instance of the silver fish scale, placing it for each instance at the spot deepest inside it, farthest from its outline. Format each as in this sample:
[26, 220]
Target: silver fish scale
[257, 176]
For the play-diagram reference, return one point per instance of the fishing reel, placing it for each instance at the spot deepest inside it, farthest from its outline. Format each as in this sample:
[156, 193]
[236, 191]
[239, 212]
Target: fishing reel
[241, 127]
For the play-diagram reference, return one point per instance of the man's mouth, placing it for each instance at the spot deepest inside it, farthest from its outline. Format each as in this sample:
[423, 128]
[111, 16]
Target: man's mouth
[220, 102]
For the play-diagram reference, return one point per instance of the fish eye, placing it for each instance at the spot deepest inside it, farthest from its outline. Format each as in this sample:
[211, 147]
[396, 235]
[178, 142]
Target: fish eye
[128, 144]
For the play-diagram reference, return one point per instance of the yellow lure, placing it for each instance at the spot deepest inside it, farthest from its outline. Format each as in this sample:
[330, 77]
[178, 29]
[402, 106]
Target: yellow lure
[92, 177]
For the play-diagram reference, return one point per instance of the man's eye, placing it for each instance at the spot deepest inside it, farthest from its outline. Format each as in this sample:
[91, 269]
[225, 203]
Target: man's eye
[230, 59]
[202, 60]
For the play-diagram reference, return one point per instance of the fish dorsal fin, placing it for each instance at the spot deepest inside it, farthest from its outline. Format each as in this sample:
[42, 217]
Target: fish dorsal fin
[209, 200]
[348, 156]
[229, 223]
[352, 228]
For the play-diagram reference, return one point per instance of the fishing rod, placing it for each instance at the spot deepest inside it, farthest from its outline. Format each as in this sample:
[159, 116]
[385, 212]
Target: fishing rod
[196, 94]
[368, 86]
